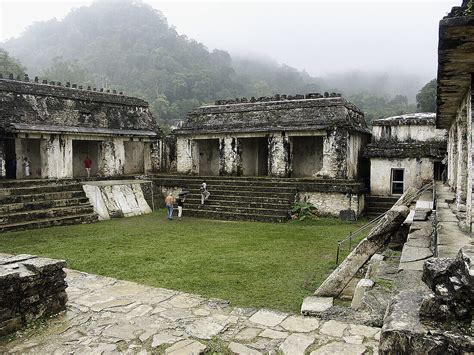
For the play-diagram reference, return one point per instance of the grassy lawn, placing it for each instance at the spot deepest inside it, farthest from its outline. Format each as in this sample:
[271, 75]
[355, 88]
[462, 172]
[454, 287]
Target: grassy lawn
[251, 264]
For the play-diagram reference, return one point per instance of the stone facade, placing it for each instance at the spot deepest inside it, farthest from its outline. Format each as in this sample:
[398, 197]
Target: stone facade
[303, 136]
[56, 127]
[409, 143]
[454, 103]
[31, 288]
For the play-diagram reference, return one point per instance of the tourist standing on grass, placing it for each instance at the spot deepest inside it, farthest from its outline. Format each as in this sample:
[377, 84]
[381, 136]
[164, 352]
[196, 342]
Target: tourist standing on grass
[26, 167]
[169, 200]
[180, 202]
[88, 166]
[204, 193]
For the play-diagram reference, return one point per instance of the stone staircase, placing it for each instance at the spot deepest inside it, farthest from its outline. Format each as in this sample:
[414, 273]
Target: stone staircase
[232, 198]
[377, 205]
[31, 204]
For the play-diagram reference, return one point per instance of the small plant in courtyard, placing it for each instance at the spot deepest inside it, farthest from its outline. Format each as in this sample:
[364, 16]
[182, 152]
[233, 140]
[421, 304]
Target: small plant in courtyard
[303, 210]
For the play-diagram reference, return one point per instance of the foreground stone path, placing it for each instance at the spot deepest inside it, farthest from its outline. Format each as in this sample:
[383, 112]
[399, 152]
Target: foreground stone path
[106, 316]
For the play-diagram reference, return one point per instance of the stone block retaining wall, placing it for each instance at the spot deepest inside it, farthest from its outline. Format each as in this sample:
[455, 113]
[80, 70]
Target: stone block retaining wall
[30, 288]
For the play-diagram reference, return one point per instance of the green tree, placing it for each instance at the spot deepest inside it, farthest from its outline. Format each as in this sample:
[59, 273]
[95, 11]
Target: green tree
[426, 97]
[9, 65]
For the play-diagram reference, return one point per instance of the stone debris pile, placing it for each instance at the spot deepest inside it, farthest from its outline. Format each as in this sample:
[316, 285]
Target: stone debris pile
[31, 288]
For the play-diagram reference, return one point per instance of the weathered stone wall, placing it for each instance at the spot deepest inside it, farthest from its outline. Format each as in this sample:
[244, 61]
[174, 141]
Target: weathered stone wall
[335, 154]
[111, 157]
[331, 203]
[184, 153]
[30, 288]
[279, 155]
[56, 157]
[3, 172]
[417, 170]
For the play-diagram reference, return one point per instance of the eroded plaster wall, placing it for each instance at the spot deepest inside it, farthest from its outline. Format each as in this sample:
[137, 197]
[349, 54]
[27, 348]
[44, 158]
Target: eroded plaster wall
[331, 203]
[416, 171]
[209, 156]
[409, 132]
[56, 157]
[134, 157]
[335, 154]
[184, 153]
[307, 155]
[230, 156]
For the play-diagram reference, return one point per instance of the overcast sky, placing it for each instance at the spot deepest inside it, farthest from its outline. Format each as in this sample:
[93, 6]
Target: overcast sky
[319, 37]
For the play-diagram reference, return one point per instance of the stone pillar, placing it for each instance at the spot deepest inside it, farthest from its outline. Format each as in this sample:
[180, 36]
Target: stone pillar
[56, 157]
[470, 158]
[452, 155]
[111, 157]
[229, 156]
[153, 156]
[279, 155]
[187, 156]
[334, 155]
[462, 175]
[3, 172]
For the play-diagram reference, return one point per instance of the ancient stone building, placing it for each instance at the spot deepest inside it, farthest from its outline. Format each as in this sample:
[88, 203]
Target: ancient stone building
[455, 97]
[282, 136]
[406, 151]
[57, 126]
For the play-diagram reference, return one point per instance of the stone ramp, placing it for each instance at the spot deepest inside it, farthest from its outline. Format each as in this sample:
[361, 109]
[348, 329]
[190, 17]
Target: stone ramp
[31, 204]
[106, 315]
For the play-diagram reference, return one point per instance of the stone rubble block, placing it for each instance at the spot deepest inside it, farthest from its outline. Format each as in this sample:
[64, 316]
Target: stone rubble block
[273, 334]
[268, 318]
[314, 305]
[362, 286]
[300, 324]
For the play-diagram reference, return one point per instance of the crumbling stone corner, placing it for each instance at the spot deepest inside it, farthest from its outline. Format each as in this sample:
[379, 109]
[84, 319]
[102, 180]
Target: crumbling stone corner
[279, 155]
[31, 288]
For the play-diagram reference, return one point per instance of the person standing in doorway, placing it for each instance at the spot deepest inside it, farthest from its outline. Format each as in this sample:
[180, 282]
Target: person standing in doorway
[88, 166]
[26, 167]
[169, 200]
[204, 193]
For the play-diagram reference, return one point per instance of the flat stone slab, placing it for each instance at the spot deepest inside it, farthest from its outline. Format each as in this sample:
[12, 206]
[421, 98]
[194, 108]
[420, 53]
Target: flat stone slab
[414, 254]
[273, 334]
[164, 338]
[314, 304]
[300, 324]
[186, 347]
[242, 349]
[423, 205]
[340, 348]
[248, 334]
[268, 318]
[296, 344]
[333, 328]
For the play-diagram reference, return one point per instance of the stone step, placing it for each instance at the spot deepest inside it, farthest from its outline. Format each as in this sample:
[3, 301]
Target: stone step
[250, 202]
[41, 196]
[40, 189]
[260, 193]
[230, 216]
[378, 204]
[248, 187]
[209, 206]
[50, 222]
[12, 218]
[382, 199]
[230, 196]
[34, 182]
[43, 204]
[244, 179]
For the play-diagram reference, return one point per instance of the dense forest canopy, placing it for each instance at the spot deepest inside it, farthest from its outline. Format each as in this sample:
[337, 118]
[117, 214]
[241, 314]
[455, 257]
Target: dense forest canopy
[129, 46]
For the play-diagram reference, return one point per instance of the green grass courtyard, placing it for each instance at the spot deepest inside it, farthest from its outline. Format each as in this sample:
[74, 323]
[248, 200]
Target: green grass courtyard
[250, 264]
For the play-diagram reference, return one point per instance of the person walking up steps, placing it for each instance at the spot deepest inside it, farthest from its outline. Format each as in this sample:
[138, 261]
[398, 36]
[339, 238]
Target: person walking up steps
[204, 193]
[169, 200]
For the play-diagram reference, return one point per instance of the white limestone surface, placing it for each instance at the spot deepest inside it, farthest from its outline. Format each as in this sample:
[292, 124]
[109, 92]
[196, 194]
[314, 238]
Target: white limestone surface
[123, 198]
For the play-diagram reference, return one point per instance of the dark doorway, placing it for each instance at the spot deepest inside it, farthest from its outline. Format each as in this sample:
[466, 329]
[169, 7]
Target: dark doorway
[439, 171]
[10, 159]
[80, 151]
[254, 156]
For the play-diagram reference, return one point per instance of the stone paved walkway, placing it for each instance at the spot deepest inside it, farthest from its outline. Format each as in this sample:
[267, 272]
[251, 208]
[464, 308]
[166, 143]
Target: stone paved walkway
[106, 315]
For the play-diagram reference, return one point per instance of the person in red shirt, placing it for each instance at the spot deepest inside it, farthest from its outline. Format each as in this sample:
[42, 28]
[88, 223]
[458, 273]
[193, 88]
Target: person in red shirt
[88, 166]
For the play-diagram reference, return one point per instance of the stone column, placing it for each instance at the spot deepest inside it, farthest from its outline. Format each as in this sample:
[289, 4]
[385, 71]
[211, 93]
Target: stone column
[462, 175]
[154, 153]
[111, 157]
[229, 156]
[452, 155]
[470, 158]
[279, 155]
[2, 159]
[334, 155]
[56, 157]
